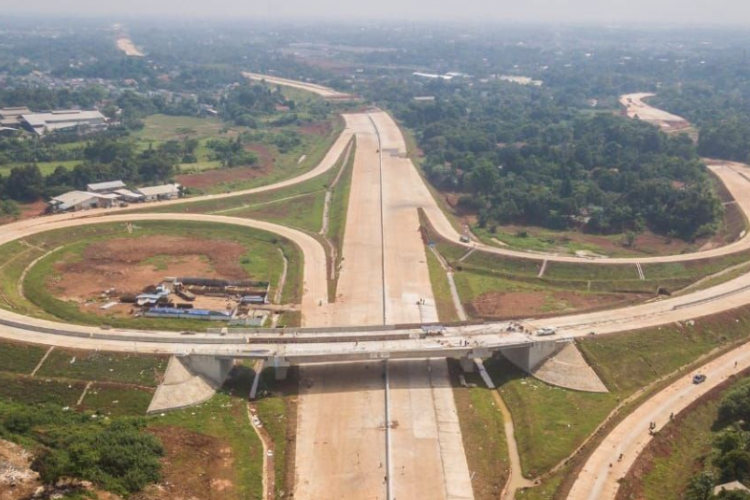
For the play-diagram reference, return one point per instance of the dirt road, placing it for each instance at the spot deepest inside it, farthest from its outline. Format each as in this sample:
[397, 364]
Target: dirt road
[636, 106]
[599, 478]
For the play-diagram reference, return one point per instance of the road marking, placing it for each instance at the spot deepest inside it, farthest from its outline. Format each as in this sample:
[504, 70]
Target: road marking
[382, 216]
[388, 463]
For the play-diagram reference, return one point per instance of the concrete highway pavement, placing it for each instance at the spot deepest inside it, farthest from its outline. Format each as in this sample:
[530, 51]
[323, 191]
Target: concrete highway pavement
[599, 478]
[320, 90]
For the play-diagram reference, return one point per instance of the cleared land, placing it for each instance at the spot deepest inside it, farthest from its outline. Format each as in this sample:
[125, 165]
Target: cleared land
[126, 45]
[309, 87]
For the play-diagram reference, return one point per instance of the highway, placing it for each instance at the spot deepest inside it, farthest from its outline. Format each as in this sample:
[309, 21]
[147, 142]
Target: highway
[392, 183]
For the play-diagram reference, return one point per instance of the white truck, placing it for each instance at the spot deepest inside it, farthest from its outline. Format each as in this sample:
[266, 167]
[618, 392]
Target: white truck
[546, 331]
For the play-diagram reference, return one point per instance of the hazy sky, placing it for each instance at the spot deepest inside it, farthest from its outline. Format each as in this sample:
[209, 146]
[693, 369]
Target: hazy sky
[736, 12]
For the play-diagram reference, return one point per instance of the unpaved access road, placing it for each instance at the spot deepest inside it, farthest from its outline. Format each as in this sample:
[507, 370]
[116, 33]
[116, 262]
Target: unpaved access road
[598, 480]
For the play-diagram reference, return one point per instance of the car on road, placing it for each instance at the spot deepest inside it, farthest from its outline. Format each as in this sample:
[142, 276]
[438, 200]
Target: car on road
[699, 378]
[546, 331]
[464, 239]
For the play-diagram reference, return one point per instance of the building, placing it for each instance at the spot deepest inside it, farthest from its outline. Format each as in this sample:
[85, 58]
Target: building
[128, 195]
[105, 187]
[11, 117]
[162, 192]
[44, 123]
[733, 486]
[74, 201]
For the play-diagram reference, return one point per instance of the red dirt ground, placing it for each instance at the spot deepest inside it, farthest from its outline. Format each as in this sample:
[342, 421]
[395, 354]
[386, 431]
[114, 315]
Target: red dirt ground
[218, 176]
[119, 264]
[28, 211]
[320, 128]
[519, 304]
[195, 466]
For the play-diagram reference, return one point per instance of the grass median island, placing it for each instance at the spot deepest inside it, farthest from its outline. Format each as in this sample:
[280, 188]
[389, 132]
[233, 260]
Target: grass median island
[441, 289]
[67, 283]
[483, 433]
[277, 410]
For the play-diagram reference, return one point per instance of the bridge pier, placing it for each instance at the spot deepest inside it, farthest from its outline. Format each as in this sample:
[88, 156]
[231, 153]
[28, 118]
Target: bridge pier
[530, 356]
[281, 367]
[467, 364]
[213, 368]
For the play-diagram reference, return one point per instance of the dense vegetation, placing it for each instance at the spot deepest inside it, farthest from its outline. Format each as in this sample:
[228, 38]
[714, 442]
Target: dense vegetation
[730, 458]
[519, 156]
[115, 455]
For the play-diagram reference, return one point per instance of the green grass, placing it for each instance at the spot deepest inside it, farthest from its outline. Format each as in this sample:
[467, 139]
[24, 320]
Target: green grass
[46, 167]
[225, 417]
[441, 289]
[627, 362]
[116, 401]
[263, 262]
[550, 422]
[27, 390]
[303, 212]
[20, 358]
[275, 411]
[163, 128]
[104, 366]
[687, 441]
[483, 433]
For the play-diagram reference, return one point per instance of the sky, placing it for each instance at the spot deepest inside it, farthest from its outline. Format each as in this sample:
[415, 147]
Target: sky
[619, 12]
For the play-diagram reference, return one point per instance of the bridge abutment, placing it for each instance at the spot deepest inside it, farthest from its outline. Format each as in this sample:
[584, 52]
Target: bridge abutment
[530, 356]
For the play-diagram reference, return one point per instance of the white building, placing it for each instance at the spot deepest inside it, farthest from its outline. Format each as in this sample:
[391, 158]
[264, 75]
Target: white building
[73, 201]
[105, 187]
[162, 192]
[43, 123]
[128, 195]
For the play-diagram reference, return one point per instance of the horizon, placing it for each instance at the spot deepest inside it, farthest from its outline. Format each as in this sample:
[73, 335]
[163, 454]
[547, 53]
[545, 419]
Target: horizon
[622, 15]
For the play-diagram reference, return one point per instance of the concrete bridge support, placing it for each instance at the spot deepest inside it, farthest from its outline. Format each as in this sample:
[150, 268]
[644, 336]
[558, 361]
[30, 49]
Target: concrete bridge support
[280, 365]
[529, 357]
[467, 362]
[213, 368]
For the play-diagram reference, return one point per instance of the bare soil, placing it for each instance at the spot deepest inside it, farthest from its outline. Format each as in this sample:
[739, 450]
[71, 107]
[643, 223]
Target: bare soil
[195, 466]
[320, 128]
[17, 480]
[519, 304]
[218, 176]
[124, 264]
[28, 211]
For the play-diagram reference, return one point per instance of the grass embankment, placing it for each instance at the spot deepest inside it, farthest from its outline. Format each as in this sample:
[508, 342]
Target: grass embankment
[626, 362]
[261, 262]
[483, 433]
[116, 389]
[277, 410]
[568, 287]
[120, 384]
[441, 289]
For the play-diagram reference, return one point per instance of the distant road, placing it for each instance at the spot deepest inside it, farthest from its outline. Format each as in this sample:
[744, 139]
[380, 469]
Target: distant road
[320, 90]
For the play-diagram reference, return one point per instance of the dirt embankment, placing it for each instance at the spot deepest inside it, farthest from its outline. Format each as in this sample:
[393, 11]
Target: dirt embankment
[130, 264]
[195, 466]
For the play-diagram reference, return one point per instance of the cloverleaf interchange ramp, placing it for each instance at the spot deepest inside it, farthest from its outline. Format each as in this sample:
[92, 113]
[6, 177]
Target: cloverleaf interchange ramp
[383, 282]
